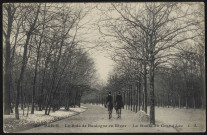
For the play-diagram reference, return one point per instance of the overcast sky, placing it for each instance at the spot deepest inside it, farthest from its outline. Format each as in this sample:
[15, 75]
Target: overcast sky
[103, 63]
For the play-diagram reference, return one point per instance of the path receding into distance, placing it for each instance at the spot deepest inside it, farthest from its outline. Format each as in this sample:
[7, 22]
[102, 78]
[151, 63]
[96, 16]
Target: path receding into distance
[97, 115]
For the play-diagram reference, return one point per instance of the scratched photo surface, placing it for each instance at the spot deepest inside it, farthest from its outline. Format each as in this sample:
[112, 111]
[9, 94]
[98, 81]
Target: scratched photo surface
[125, 67]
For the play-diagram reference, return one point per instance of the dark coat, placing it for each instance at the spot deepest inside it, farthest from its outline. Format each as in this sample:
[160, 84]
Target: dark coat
[109, 100]
[119, 103]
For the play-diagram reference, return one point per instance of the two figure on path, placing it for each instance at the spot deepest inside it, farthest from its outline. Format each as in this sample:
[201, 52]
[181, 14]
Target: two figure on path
[118, 104]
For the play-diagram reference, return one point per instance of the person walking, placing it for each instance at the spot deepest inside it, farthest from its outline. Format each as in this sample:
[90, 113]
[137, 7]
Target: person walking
[109, 104]
[119, 104]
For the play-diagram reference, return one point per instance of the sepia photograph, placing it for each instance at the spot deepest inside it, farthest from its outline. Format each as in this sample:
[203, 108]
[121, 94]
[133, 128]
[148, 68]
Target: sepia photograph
[104, 67]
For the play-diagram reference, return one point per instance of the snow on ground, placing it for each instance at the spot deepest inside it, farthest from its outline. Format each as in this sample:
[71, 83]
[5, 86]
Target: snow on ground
[190, 119]
[36, 119]
[142, 116]
[81, 109]
[187, 120]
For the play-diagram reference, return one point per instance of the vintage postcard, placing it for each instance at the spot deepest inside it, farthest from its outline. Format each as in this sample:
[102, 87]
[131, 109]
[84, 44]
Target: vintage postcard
[125, 67]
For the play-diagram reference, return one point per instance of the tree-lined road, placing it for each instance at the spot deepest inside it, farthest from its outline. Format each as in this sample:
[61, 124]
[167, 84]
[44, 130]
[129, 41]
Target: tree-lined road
[97, 115]
[157, 50]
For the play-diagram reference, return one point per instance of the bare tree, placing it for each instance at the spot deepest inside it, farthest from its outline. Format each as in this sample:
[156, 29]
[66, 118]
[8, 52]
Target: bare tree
[163, 28]
[10, 10]
[24, 61]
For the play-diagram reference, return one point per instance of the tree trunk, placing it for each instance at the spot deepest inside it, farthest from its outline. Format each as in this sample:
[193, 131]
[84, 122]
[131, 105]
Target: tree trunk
[134, 100]
[51, 98]
[152, 103]
[194, 101]
[145, 87]
[24, 62]
[137, 99]
[49, 95]
[21, 93]
[11, 108]
[67, 102]
[17, 98]
[174, 103]
[36, 64]
[203, 86]
[128, 98]
[7, 101]
[124, 100]
[158, 101]
[168, 100]
[27, 108]
[47, 103]
[131, 97]
[143, 101]
[179, 101]
[35, 76]
[42, 88]
[186, 102]
[139, 93]
[7, 67]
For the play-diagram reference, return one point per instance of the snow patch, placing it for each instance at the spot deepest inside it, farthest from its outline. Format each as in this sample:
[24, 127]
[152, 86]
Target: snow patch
[38, 118]
[78, 109]
[143, 117]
